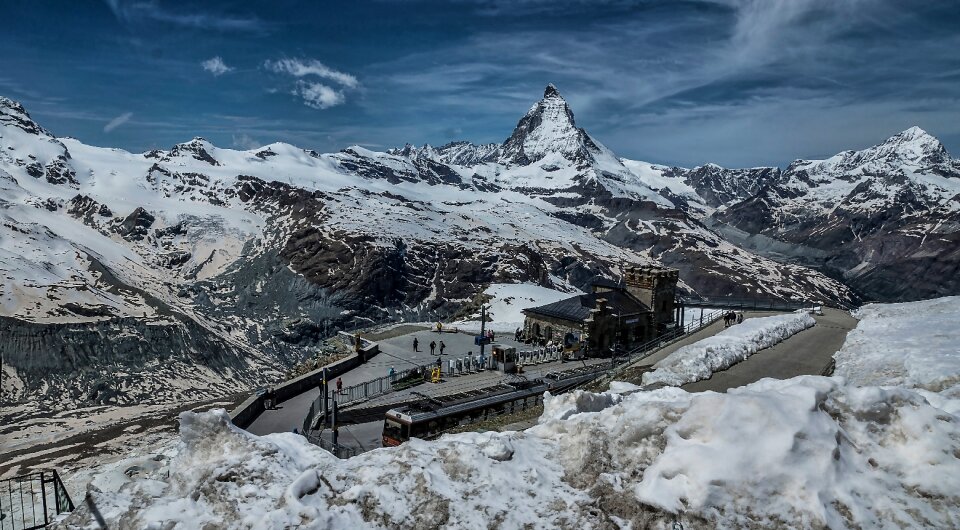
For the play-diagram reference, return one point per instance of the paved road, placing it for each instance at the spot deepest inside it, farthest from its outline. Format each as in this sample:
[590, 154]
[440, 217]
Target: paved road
[395, 352]
[806, 353]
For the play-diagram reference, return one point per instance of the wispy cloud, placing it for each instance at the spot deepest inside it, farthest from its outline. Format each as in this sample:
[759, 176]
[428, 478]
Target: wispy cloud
[245, 141]
[118, 121]
[311, 67]
[314, 93]
[138, 11]
[216, 66]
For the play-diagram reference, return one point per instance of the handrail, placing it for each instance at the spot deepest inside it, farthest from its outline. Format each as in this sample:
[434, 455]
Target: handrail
[375, 387]
[745, 303]
[29, 500]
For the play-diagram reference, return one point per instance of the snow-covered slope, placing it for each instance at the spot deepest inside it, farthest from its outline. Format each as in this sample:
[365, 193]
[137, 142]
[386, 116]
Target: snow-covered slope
[886, 218]
[914, 344]
[240, 261]
[837, 452]
[820, 453]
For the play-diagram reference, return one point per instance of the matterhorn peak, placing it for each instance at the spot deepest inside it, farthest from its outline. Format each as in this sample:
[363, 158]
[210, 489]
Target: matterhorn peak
[548, 127]
[551, 92]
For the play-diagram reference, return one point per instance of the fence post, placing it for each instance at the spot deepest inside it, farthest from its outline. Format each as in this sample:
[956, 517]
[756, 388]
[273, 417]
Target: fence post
[323, 396]
[43, 495]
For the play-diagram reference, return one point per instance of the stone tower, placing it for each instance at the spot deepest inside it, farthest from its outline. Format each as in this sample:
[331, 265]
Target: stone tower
[656, 287]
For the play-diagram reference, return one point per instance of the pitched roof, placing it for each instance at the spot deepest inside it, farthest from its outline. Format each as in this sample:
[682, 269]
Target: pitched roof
[606, 282]
[577, 308]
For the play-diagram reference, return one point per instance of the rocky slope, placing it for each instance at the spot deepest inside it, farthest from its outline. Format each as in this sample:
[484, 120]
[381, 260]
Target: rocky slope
[218, 268]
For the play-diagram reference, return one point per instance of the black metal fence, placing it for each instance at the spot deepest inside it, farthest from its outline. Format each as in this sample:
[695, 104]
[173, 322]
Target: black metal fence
[32, 501]
[745, 303]
[367, 389]
[337, 450]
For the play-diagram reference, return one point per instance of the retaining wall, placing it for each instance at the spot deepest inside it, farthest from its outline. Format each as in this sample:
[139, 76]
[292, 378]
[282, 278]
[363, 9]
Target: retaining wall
[250, 409]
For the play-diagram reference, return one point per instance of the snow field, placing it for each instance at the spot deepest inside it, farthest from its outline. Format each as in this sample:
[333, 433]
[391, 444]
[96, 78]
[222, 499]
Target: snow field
[805, 452]
[915, 344]
[507, 302]
[699, 360]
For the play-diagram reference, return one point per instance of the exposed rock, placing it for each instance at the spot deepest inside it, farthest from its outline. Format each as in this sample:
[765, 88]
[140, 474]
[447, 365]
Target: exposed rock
[135, 226]
[58, 171]
[88, 209]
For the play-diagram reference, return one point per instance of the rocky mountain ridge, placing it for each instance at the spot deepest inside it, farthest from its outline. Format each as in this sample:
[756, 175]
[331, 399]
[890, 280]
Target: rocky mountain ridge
[883, 220]
[248, 258]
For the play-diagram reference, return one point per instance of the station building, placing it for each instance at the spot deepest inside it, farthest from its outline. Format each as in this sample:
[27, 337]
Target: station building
[642, 306]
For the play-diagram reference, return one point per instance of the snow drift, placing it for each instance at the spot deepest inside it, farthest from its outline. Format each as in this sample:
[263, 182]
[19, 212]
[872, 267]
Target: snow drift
[699, 360]
[915, 344]
[806, 452]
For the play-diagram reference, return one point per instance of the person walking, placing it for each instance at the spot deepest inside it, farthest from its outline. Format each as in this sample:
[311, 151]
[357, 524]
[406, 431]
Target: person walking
[433, 346]
[339, 385]
[416, 344]
[442, 346]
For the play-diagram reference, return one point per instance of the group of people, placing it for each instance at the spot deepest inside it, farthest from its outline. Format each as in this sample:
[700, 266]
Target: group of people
[519, 336]
[433, 346]
[732, 318]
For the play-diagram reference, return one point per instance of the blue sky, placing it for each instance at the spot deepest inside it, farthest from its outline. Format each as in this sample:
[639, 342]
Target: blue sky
[736, 82]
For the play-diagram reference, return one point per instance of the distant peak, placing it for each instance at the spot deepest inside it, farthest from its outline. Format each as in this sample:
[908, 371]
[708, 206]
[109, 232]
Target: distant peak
[13, 113]
[9, 103]
[915, 133]
[551, 92]
[915, 138]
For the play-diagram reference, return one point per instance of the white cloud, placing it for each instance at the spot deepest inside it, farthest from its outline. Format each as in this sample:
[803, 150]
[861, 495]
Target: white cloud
[314, 94]
[308, 67]
[146, 11]
[216, 66]
[118, 121]
[245, 141]
[318, 95]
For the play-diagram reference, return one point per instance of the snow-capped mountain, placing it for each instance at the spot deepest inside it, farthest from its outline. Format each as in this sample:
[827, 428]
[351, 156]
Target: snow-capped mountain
[886, 219]
[218, 268]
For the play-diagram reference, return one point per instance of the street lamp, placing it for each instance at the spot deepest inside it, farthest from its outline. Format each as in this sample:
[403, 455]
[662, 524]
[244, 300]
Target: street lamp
[616, 342]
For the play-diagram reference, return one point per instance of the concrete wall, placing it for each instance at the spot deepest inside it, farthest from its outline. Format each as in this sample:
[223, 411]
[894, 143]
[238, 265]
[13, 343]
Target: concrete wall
[250, 409]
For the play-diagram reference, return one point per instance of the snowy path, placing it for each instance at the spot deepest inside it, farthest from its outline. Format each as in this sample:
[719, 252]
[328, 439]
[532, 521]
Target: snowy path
[806, 353]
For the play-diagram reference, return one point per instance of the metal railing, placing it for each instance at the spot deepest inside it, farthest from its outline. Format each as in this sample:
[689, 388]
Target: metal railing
[745, 303]
[336, 450]
[368, 389]
[32, 501]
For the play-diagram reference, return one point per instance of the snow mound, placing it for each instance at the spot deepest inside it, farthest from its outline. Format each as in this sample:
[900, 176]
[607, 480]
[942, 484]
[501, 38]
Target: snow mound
[699, 360]
[914, 344]
[820, 454]
[507, 302]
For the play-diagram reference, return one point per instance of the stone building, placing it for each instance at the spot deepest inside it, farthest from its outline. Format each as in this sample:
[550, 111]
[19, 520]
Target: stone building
[638, 309]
